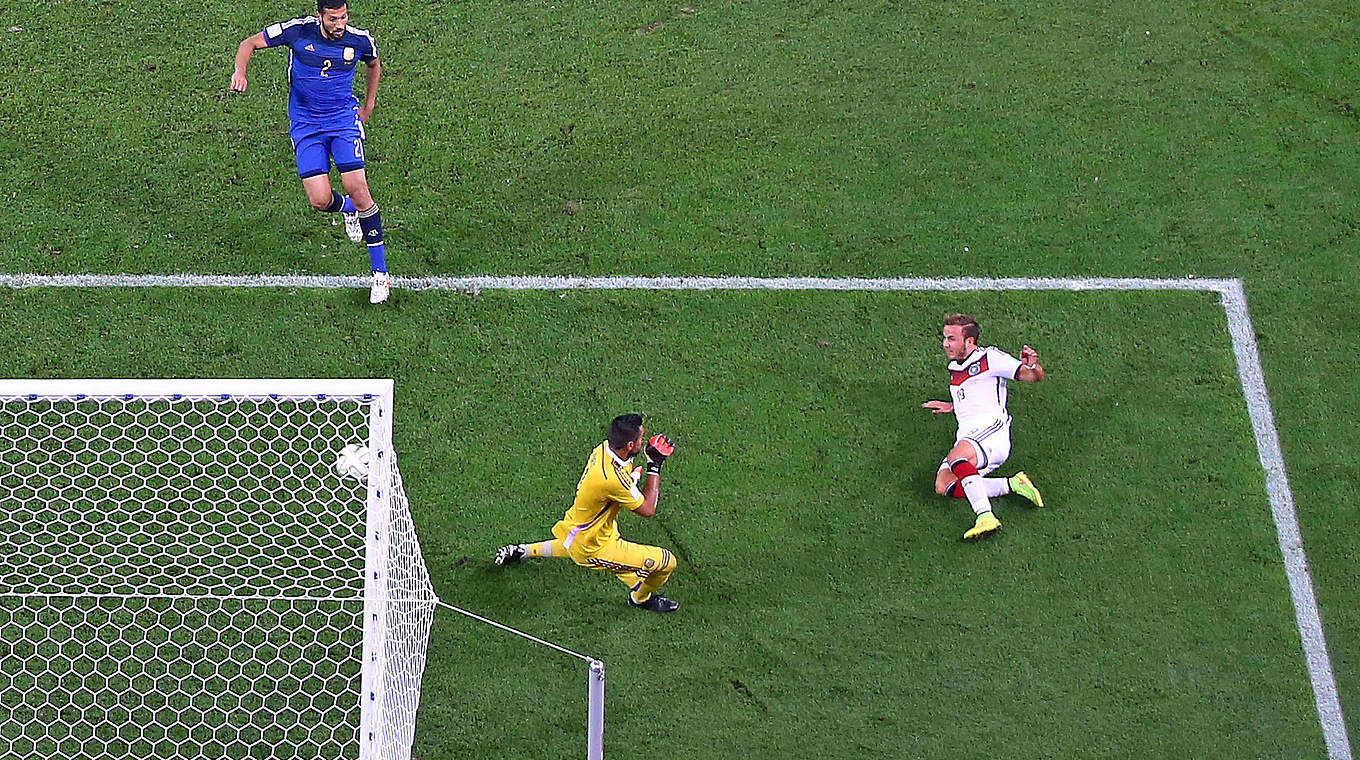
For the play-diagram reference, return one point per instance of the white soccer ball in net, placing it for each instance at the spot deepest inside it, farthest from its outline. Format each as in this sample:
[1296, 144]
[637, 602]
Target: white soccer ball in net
[352, 462]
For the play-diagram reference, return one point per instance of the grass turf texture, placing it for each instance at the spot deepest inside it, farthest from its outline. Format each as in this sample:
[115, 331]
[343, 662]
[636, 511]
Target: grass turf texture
[860, 139]
[831, 607]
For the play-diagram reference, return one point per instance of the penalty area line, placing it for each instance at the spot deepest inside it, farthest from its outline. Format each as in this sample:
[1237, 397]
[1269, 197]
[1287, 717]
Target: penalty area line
[1232, 296]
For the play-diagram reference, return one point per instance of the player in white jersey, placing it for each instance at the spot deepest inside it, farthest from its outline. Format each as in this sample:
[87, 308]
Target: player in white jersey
[977, 389]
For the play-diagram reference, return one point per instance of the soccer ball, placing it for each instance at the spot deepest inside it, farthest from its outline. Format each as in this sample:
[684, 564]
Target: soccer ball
[352, 462]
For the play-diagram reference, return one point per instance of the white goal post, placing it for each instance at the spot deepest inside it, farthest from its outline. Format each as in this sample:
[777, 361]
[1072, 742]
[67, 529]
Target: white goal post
[184, 573]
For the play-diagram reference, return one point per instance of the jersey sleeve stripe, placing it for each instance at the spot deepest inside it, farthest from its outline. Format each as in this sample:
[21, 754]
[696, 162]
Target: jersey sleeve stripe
[274, 32]
[372, 44]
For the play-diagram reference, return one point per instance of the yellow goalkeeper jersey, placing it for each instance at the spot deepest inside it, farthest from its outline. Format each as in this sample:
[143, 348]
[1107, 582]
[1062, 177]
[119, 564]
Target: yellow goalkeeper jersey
[606, 486]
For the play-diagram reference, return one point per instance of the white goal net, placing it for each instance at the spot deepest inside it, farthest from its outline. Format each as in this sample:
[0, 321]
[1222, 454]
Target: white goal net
[184, 574]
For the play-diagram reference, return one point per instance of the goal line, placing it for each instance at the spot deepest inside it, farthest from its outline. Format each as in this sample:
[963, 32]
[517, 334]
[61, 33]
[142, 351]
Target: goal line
[1232, 297]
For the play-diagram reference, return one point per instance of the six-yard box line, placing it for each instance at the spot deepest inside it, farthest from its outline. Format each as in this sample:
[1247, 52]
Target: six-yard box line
[1231, 293]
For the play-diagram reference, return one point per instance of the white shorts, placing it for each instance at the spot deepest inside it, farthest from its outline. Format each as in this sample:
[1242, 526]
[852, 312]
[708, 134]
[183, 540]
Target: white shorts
[992, 443]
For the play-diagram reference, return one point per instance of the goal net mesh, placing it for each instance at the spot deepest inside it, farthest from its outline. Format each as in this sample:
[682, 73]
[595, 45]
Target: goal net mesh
[189, 577]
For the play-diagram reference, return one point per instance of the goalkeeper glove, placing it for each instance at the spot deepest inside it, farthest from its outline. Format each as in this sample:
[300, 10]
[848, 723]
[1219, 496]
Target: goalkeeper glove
[659, 447]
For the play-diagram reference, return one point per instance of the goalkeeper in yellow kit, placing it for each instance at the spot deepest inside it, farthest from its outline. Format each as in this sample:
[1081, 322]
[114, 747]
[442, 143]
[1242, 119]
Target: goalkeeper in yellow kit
[589, 534]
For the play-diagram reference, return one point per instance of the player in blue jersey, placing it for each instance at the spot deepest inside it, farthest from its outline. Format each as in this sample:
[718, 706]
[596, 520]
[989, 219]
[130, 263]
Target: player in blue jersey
[327, 119]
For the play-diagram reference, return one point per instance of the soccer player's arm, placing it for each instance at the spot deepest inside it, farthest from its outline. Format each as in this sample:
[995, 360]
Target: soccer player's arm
[1029, 369]
[274, 34]
[247, 48]
[651, 494]
[372, 73]
[640, 502]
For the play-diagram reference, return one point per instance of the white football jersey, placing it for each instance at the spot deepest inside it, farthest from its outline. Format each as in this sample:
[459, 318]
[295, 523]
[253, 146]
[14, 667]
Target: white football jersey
[978, 386]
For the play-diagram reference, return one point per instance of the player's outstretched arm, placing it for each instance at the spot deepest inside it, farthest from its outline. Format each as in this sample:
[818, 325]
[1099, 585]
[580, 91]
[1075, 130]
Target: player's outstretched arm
[939, 407]
[1031, 371]
[247, 48]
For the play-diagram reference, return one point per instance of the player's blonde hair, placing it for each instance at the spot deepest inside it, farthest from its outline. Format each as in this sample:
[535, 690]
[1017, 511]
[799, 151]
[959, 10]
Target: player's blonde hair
[969, 323]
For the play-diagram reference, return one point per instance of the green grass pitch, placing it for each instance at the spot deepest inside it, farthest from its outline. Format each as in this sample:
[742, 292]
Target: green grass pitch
[831, 610]
[828, 596]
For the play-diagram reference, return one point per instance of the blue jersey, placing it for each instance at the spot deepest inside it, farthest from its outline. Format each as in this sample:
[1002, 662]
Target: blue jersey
[321, 70]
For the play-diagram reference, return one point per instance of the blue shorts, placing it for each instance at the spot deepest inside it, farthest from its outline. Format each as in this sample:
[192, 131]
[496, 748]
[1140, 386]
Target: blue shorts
[316, 145]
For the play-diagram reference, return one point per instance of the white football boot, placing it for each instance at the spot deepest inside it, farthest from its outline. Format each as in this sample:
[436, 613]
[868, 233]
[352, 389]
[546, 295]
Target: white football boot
[353, 230]
[381, 289]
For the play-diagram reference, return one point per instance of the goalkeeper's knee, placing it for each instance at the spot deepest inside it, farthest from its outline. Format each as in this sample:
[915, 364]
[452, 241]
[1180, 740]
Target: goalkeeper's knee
[665, 567]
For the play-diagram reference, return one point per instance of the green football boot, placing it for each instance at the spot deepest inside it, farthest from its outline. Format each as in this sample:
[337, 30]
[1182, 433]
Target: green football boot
[1021, 486]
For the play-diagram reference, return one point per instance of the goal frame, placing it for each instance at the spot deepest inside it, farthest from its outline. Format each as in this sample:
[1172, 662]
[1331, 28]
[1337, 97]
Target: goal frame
[372, 734]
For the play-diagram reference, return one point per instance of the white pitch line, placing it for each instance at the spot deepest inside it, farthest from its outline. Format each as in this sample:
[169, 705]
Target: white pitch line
[479, 283]
[1306, 614]
[1232, 294]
